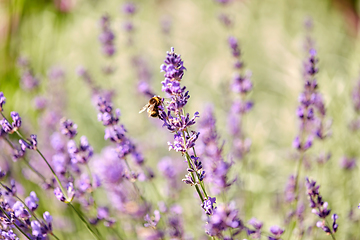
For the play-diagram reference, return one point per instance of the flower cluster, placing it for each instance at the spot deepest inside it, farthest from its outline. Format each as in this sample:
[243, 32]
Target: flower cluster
[319, 207]
[116, 132]
[28, 79]
[241, 85]
[311, 110]
[224, 217]
[257, 225]
[143, 75]
[14, 126]
[210, 151]
[178, 122]
[107, 37]
[15, 213]
[129, 9]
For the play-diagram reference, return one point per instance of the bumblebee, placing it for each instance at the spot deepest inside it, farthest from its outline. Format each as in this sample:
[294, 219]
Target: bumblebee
[152, 106]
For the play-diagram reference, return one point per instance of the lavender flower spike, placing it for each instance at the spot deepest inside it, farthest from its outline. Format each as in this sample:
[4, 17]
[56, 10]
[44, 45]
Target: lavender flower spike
[177, 121]
[320, 208]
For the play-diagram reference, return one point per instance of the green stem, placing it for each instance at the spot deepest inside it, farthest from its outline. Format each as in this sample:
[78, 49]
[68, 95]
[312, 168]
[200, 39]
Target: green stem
[8, 217]
[53, 172]
[54, 236]
[85, 222]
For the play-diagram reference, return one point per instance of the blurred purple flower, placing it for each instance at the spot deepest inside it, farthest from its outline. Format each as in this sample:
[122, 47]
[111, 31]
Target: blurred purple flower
[347, 163]
[129, 8]
[32, 201]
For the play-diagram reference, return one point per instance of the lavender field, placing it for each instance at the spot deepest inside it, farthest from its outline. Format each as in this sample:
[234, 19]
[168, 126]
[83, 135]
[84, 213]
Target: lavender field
[155, 119]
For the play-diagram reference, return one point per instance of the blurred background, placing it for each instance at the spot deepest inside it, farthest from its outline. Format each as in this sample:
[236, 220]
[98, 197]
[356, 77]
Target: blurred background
[62, 36]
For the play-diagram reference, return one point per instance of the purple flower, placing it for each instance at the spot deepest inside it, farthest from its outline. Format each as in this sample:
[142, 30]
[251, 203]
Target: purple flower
[152, 221]
[36, 229]
[102, 213]
[20, 211]
[242, 83]
[210, 151]
[129, 8]
[40, 102]
[173, 69]
[257, 226]
[82, 153]
[224, 217]
[335, 226]
[233, 43]
[277, 232]
[319, 207]
[59, 195]
[290, 189]
[28, 80]
[84, 184]
[6, 126]
[208, 205]
[68, 128]
[16, 124]
[2, 101]
[107, 37]
[32, 201]
[347, 163]
[17, 153]
[56, 73]
[8, 234]
[31, 143]
[225, 20]
[224, 2]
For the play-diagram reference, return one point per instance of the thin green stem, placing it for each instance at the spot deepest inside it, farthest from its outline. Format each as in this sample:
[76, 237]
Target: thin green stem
[52, 234]
[8, 217]
[85, 222]
[53, 172]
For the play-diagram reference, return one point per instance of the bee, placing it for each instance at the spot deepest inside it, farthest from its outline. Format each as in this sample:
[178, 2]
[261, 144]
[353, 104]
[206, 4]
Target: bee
[152, 106]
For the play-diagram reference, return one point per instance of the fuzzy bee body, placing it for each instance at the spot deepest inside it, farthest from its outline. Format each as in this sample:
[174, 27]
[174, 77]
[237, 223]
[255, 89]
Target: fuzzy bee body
[152, 106]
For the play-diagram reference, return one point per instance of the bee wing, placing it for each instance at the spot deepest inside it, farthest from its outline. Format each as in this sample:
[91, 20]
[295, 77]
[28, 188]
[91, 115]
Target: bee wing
[144, 108]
